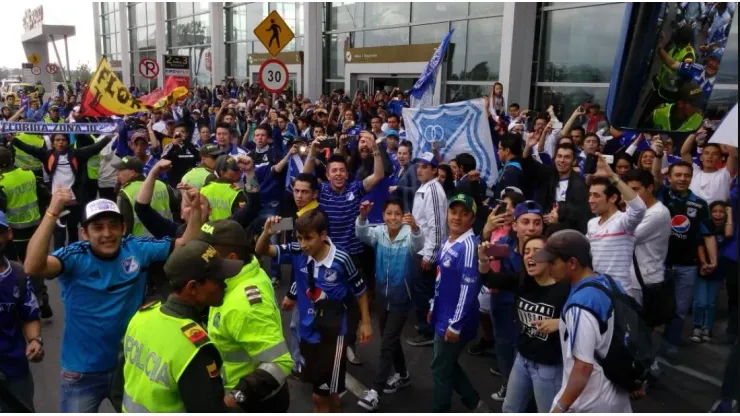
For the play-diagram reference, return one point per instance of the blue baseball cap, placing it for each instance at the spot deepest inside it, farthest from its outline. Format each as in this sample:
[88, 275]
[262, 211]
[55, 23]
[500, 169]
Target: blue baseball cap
[391, 132]
[427, 158]
[527, 207]
[3, 220]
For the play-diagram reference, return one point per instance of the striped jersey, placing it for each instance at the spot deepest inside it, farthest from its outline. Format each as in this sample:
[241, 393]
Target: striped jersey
[342, 209]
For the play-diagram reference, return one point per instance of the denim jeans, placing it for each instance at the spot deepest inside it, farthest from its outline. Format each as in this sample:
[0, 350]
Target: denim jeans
[504, 331]
[84, 392]
[295, 339]
[422, 291]
[685, 279]
[527, 379]
[449, 376]
[705, 298]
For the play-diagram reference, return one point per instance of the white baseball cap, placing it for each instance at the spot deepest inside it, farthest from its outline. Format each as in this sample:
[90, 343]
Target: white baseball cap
[99, 207]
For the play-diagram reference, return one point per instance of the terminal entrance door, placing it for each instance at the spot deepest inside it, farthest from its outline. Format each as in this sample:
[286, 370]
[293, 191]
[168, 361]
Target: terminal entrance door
[388, 83]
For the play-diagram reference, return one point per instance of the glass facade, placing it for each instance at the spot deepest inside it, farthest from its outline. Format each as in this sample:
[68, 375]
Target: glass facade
[240, 19]
[189, 34]
[110, 31]
[473, 60]
[142, 41]
[576, 51]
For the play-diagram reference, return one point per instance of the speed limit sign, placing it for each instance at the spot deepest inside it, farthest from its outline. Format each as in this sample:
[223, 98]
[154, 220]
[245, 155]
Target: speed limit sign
[273, 76]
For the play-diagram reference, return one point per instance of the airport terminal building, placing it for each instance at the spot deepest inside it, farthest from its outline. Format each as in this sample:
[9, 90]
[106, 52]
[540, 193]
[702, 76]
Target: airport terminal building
[543, 53]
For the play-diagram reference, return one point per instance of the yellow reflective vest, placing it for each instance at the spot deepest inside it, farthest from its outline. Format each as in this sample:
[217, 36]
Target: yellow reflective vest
[160, 203]
[662, 120]
[247, 329]
[667, 77]
[196, 177]
[221, 197]
[23, 159]
[22, 207]
[157, 350]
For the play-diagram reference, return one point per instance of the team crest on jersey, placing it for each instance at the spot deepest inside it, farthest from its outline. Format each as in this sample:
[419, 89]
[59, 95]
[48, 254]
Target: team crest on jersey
[691, 212]
[330, 276]
[130, 265]
[350, 196]
[446, 262]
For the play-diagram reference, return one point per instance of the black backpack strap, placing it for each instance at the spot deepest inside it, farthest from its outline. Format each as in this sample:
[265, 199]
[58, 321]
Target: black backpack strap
[637, 272]
[310, 271]
[603, 326]
[20, 280]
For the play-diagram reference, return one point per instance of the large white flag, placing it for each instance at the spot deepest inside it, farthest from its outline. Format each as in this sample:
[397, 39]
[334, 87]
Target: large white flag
[457, 128]
[726, 133]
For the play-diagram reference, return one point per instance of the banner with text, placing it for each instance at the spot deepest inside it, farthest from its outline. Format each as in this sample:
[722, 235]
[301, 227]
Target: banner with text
[107, 96]
[456, 128]
[177, 68]
[64, 128]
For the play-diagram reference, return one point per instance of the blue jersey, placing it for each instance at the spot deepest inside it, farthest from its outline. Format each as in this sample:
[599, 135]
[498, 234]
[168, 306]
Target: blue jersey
[335, 276]
[695, 72]
[342, 210]
[271, 191]
[100, 296]
[455, 305]
[14, 312]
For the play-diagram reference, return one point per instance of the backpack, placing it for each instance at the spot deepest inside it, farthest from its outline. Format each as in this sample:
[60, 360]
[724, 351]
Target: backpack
[20, 280]
[630, 353]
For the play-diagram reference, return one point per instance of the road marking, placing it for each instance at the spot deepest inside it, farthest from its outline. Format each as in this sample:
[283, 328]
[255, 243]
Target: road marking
[690, 371]
[354, 386]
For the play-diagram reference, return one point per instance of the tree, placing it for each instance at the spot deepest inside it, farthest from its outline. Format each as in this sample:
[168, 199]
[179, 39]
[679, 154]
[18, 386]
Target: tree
[83, 73]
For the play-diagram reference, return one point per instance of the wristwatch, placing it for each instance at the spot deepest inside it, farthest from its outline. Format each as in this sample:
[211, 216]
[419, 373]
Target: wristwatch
[239, 396]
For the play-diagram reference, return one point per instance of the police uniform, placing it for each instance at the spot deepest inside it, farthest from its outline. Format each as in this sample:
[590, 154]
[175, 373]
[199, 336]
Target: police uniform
[127, 197]
[27, 161]
[198, 176]
[224, 197]
[171, 364]
[247, 330]
[691, 94]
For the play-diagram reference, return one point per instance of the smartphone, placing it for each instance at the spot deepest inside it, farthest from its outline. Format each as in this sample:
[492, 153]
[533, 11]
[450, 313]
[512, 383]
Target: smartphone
[498, 251]
[285, 224]
[589, 166]
[328, 144]
[609, 159]
[500, 209]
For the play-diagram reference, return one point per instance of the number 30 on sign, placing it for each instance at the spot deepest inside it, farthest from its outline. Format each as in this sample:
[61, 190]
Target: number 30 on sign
[273, 76]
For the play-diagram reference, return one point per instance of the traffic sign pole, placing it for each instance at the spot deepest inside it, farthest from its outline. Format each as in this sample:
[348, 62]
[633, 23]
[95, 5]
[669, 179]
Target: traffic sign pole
[274, 33]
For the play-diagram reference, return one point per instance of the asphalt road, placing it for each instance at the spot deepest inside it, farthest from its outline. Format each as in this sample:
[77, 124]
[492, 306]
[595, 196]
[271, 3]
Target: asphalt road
[678, 391]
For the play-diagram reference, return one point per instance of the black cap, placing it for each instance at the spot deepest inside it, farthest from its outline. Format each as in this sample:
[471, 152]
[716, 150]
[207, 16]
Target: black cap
[566, 243]
[198, 260]
[226, 162]
[692, 94]
[224, 232]
[128, 162]
[100, 207]
[210, 150]
[6, 158]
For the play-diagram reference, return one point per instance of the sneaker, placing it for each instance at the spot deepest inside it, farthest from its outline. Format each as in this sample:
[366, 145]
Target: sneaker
[420, 340]
[369, 401]
[396, 382]
[480, 347]
[500, 395]
[353, 357]
[482, 407]
[696, 335]
[706, 335]
[46, 311]
[494, 371]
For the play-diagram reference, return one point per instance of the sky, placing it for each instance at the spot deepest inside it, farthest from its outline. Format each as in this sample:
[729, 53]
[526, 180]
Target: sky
[80, 15]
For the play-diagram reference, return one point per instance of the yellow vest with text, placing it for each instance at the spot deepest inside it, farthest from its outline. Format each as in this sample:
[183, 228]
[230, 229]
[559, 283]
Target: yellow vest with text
[247, 329]
[662, 119]
[667, 77]
[23, 159]
[47, 119]
[160, 203]
[22, 207]
[93, 166]
[221, 197]
[196, 177]
[157, 350]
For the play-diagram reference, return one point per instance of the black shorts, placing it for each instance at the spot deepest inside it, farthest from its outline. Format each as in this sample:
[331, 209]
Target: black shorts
[326, 366]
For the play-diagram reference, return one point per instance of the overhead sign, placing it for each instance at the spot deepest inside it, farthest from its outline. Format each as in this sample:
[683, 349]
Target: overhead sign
[36, 70]
[389, 54]
[33, 18]
[273, 76]
[288, 58]
[148, 68]
[274, 33]
[52, 68]
[34, 58]
[177, 67]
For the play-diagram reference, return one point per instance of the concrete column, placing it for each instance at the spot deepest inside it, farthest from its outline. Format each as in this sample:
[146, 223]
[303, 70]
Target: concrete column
[96, 30]
[161, 42]
[125, 49]
[218, 47]
[313, 53]
[517, 48]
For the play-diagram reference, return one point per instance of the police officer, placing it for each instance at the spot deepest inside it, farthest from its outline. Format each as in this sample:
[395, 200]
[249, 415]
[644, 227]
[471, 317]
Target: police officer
[53, 115]
[198, 176]
[27, 161]
[130, 177]
[19, 191]
[171, 365]
[685, 115]
[224, 194]
[247, 329]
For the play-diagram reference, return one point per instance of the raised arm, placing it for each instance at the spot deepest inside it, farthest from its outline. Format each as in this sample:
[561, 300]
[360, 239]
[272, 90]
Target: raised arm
[569, 124]
[731, 159]
[687, 147]
[378, 167]
[38, 263]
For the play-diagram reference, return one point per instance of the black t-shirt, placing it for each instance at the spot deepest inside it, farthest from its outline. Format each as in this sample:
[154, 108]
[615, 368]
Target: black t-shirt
[690, 222]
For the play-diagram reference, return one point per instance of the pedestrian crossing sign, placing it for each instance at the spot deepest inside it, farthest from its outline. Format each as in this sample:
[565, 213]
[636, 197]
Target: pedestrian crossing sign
[274, 33]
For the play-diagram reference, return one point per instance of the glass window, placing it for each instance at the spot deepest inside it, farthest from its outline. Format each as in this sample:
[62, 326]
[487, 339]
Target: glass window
[336, 55]
[566, 99]
[140, 15]
[722, 100]
[240, 53]
[478, 9]
[456, 61]
[142, 40]
[104, 8]
[152, 38]
[198, 66]
[201, 7]
[150, 12]
[387, 37]
[287, 12]
[202, 30]
[105, 23]
[580, 44]
[256, 12]
[181, 32]
[483, 49]
[728, 68]
[346, 15]
[106, 45]
[429, 33]
[427, 12]
[457, 93]
[238, 23]
[184, 9]
[386, 14]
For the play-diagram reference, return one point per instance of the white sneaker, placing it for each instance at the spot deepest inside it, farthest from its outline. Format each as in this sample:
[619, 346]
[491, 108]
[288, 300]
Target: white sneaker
[369, 401]
[396, 382]
[500, 395]
[696, 335]
[353, 357]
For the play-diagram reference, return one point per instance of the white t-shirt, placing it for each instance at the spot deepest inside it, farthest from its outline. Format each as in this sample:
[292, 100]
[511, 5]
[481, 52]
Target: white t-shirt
[561, 190]
[585, 341]
[651, 247]
[63, 178]
[711, 187]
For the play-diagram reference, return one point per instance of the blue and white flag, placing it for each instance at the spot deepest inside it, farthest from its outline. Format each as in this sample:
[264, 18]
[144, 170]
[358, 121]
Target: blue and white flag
[456, 128]
[295, 166]
[423, 90]
[63, 128]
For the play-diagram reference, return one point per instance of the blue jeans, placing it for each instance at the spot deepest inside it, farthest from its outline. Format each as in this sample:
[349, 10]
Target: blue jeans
[504, 331]
[705, 298]
[422, 291]
[84, 392]
[528, 379]
[685, 279]
[295, 339]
